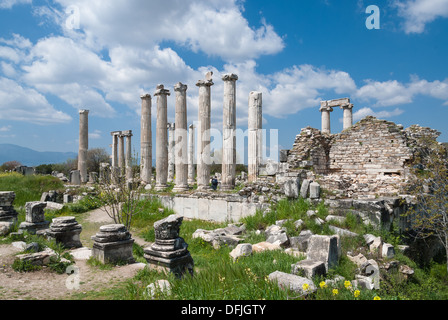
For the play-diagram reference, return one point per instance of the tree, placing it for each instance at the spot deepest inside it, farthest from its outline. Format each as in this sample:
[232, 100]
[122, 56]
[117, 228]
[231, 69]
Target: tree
[119, 197]
[429, 187]
[10, 165]
[95, 157]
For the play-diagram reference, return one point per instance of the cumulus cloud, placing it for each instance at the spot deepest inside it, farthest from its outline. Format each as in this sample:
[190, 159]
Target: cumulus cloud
[418, 13]
[25, 104]
[8, 4]
[364, 112]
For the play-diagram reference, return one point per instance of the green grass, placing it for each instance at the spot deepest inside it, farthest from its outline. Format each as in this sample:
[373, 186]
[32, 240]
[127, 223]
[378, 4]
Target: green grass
[28, 188]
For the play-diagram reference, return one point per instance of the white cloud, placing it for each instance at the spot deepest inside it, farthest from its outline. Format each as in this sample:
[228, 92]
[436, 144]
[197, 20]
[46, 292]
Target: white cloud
[216, 28]
[364, 112]
[418, 13]
[24, 104]
[8, 4]
[5, 128]
[95, 135]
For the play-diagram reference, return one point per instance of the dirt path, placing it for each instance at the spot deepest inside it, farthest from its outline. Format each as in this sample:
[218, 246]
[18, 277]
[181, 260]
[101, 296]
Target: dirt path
[47, 285]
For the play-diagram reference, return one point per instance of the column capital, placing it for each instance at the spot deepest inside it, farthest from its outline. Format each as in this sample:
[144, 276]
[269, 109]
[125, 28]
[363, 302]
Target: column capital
[145, 96]
[127, 133]
[229, 77]
[208, 82]
[347, 106]
[83, 111]
[180, 87]
[160, 90]
[325, 107]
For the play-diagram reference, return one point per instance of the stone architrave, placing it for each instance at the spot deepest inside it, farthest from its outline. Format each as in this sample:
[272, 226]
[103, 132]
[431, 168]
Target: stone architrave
[83, 143]
[66, 231]
[169, 250]
[255, 135]
[146, 140]
[191, 167]
[113, 243]
[203, 145]
[171, 156]
[228, 131]
[325, 109]
[181, 138]
[161, 138]
[35, 217]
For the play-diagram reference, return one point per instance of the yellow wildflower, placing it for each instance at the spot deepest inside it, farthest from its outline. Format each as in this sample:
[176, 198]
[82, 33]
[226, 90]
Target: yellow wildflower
[335, 292]
[377, 298]
[347, 285]
[305, 286]
[356, 293]
[323, 284]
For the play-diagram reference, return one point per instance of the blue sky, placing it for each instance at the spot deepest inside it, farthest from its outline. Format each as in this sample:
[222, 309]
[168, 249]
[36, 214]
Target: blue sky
[60, 56]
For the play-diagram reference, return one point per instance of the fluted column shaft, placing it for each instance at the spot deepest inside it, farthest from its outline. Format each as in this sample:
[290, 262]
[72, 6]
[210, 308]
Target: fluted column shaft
[146, 140]
[161, 138]
[191, 168]
[325, 110]
[181, 138]
[83, 143]
[348, 116]
[255, 135]
[171, 156]
[229, 137]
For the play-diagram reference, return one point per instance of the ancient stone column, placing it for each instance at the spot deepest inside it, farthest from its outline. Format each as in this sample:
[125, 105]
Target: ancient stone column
[181, 136]
[83, 143]
[161, 138]
[348, 116]
[171, 157]
[114, 155]
[255, 134]
[325, 110]
[121, 158]
[146, 140]
[191, 168]
[228, 131]
[128, 158]
[203, 150]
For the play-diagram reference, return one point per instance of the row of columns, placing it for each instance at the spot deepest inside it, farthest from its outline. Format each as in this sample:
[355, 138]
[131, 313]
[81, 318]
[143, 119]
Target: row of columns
[181, 140]
[119, 158]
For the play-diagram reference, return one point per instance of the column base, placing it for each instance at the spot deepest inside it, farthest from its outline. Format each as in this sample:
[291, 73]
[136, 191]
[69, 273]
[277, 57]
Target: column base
[191, 182]
[180, 188]
[160, 187]
[227, 187]
[204, 188]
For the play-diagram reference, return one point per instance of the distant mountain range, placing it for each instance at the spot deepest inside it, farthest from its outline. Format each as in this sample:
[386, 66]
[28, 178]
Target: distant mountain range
[31, 158]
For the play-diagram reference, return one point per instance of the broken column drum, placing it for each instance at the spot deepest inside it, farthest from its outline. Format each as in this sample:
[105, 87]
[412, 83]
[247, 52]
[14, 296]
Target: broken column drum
[181, 138]
[7, 212]
[170, 250]
[203, 136]
[83, 143]
[229, 137]
[66, 231]
[161, 138]
[146, 140]
[35, 217]
[112, 244]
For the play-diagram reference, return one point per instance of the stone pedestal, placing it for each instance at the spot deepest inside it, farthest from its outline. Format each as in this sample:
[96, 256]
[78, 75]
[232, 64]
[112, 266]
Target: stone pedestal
[191, 167]
[181, 139]
[35, 217]
[161, 138]
[203, 149]
[146, 140]
[170, 250]
[7, 212]
[112, 244]
[66, 231]
[83, 143]
[228, 131]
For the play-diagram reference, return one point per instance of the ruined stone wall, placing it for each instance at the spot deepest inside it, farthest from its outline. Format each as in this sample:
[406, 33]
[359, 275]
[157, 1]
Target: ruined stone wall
[371, 147]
